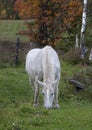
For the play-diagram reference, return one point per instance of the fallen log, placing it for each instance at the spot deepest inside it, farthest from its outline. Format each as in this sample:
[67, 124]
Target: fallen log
[77, 84]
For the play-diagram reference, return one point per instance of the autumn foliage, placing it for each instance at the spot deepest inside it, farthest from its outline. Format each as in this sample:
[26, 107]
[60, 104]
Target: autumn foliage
[49, 19]
[27, 8]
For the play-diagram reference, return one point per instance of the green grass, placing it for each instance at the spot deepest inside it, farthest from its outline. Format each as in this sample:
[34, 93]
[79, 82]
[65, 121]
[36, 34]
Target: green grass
[17, 111]
[9, 28]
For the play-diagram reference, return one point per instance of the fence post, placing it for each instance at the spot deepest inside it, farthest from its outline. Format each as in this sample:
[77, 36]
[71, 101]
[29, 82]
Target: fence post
[16, 61]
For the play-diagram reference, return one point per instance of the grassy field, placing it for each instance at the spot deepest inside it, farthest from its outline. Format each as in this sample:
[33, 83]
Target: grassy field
[17, 111]
[9, 28]
[16, 96]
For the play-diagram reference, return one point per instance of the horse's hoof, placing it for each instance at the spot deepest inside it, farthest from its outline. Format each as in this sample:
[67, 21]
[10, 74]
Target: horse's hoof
[56, 106]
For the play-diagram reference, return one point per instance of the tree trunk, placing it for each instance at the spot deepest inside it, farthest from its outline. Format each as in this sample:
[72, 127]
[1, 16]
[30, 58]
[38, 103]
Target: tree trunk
[90, 56]
[77, 42]
[82, 37]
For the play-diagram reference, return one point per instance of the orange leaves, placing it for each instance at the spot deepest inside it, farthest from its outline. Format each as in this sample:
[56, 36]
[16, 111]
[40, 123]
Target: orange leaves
[74, 10]
[52, 17]
[27, 9]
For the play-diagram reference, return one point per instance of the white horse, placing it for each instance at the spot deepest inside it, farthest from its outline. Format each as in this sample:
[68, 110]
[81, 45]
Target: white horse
[43, 68]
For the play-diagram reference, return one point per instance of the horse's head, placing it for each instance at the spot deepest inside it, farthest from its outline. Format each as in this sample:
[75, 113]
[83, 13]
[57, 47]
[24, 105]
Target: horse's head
[48, 91]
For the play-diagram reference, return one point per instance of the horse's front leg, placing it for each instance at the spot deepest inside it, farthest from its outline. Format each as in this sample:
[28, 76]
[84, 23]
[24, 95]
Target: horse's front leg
[56, 98]
[36, 93]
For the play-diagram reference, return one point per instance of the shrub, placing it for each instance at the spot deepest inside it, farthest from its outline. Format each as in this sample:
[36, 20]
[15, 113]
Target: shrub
[74, 57]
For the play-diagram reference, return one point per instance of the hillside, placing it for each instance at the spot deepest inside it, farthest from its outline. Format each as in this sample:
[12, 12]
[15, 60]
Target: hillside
[9, 28]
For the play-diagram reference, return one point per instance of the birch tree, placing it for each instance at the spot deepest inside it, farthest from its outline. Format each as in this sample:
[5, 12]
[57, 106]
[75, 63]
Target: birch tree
[77, 42]
[90, 56]
[82, 37]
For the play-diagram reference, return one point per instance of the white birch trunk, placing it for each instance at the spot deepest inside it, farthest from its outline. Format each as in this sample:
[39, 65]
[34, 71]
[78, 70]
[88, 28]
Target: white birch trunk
[84, 17]
[82, 43]
[77, 42]
[90, 56]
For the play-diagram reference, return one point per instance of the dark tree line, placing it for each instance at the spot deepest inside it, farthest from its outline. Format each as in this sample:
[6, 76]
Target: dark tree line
[7, 10]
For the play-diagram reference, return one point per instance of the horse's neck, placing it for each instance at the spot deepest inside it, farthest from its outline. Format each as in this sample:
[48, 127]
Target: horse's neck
[49, 74]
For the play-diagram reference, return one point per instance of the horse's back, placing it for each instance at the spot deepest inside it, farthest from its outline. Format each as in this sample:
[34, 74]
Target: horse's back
[33, 62]
[38, 60]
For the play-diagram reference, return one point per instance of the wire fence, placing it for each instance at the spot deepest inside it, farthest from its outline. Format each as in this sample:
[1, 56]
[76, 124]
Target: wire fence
[13, 53]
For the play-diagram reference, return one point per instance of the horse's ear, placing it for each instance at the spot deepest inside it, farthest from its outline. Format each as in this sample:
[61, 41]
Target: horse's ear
[40, 83]
[54, 82]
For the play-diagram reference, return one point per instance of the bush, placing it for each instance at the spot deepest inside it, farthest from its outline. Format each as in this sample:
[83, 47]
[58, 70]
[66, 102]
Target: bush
[80, 73]
[85, 77]
[74, 57]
